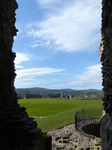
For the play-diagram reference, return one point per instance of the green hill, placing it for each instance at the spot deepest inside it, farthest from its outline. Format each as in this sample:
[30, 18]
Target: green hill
[37, 92]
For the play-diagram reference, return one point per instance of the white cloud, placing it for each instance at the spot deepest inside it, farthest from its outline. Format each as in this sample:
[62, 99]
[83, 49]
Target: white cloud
[90, 78]
[29, 82]
[20, 57]
[40, 44]
[74, 28]
[28, 77]
[33, 72]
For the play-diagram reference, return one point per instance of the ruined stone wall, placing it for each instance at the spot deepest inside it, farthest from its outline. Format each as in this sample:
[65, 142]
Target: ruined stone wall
[17, 130]
[106, 56]
[101, 48]
[106, 61]
[7, 70]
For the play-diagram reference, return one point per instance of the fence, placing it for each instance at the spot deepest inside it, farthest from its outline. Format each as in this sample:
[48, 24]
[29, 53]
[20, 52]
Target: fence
[87, 121]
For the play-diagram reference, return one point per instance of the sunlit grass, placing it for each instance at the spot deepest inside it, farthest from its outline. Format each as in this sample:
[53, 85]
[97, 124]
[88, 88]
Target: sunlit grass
[57, 112]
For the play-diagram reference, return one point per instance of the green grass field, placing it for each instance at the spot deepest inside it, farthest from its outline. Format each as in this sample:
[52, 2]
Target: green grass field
[57, 112]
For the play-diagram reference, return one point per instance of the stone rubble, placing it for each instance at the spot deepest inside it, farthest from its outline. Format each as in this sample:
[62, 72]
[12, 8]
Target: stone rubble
[68, 138]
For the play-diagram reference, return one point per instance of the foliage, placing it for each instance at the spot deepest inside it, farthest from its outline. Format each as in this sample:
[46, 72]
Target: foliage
[58, 112]
[89, 95]
[56, 93]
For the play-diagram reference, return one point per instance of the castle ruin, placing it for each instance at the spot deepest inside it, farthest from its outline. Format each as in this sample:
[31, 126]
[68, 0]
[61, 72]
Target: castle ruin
[106, 61]
[17, 130]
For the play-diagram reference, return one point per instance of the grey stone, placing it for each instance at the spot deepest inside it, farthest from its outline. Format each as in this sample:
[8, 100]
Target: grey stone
[17, 130]
[72, 140]
[105, 51]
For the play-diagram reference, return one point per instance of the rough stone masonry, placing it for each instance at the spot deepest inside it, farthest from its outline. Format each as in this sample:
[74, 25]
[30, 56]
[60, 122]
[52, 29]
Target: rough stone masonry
[106, 61]
[68, 138]
[17, 130]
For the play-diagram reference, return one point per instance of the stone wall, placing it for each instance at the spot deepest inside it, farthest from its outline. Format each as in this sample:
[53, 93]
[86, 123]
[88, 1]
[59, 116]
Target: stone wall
[68, 138]
[106, 60]
[106, 56]
[101, 48]
[17, 130]
[7, 70]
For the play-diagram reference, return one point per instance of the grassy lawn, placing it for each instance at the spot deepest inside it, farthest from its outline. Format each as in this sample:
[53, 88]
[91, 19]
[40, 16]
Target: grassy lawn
[57, 112]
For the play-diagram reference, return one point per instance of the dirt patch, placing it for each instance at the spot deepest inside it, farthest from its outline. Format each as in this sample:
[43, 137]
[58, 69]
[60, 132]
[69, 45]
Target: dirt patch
[38, 117]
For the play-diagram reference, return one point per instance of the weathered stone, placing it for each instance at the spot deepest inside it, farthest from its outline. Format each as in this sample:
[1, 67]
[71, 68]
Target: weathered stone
[72, 141]
[17, 130]
[106, 61]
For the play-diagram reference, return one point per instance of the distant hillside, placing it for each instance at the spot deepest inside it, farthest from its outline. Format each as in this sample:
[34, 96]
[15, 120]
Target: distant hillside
[37, 90]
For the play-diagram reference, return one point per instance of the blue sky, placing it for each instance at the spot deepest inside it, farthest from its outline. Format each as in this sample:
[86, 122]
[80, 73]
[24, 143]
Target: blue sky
[57, 44]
